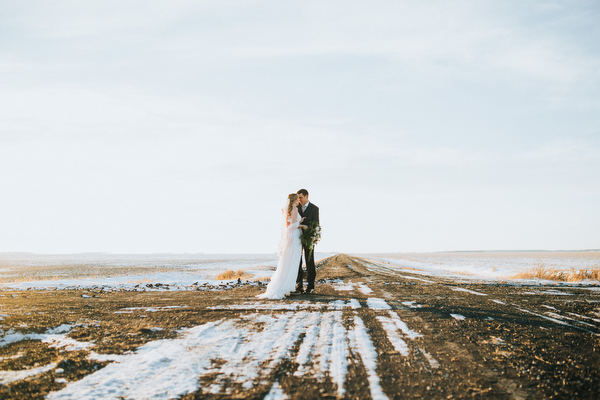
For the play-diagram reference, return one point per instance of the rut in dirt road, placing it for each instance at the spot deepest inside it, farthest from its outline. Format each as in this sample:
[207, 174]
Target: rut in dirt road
[370, 331]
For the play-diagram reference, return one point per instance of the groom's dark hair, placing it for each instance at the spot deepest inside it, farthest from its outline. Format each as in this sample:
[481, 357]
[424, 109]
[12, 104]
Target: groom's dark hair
[303, 192]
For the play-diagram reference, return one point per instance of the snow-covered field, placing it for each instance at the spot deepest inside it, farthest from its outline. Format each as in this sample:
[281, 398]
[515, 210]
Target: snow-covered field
[242, 350]
[499, 266]
[181, 271]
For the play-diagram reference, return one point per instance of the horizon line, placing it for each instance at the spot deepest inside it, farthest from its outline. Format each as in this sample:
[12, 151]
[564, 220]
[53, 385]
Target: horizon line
[335, 252]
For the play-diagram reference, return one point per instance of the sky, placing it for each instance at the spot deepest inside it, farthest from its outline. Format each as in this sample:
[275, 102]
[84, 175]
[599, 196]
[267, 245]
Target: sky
[181, 126]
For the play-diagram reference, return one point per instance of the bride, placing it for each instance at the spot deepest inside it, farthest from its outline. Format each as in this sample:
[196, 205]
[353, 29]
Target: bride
[283, 280]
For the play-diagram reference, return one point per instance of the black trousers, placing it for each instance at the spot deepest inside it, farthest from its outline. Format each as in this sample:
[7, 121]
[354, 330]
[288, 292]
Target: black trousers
[311, 273]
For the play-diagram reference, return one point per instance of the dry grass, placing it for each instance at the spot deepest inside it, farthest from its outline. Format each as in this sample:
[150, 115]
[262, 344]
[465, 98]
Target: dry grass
[144, 280]
[229, 275]
[562, 275]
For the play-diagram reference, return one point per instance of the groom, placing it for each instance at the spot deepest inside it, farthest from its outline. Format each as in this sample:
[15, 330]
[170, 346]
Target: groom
[310, 213]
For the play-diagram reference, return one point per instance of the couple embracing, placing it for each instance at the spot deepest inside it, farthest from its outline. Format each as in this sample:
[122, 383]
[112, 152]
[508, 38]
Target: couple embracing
[299, 215]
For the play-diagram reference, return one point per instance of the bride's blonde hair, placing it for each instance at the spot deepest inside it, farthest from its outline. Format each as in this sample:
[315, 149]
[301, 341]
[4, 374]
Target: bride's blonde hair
[292, 197]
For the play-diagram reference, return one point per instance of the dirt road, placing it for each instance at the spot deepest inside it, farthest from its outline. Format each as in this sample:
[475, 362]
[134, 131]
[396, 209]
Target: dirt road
[369, 331]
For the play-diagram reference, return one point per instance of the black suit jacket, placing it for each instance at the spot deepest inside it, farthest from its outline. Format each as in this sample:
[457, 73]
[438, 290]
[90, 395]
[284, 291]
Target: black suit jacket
[311, 213]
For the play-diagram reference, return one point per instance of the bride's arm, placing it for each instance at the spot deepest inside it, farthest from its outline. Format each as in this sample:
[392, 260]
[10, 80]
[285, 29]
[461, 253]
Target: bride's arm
[295, 222]
[300, 223]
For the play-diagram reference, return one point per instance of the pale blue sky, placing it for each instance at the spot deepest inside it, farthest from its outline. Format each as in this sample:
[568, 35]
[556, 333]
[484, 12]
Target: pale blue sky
[180, 126]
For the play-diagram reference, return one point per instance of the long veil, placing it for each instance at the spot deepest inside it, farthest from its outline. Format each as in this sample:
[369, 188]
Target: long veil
[285, 236]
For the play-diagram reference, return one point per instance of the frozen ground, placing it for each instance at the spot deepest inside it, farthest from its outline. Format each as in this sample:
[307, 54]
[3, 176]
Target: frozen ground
[178, 271]
[188, 271]
[371, 330]
[494, 266]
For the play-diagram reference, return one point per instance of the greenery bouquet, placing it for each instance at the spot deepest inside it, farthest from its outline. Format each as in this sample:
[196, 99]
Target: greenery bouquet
[311, 236]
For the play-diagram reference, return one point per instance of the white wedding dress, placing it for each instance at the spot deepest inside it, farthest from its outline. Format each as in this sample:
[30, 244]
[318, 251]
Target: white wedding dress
[283, 280]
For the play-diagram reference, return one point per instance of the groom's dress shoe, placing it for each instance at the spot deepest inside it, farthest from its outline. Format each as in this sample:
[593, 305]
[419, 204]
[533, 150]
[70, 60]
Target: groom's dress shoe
[309, 291]
[298, 291]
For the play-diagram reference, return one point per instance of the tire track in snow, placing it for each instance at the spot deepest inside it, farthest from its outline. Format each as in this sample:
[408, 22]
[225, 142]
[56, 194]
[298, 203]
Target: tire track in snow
[326, 346]
[242, 351]
[360, 343]
[172, 367]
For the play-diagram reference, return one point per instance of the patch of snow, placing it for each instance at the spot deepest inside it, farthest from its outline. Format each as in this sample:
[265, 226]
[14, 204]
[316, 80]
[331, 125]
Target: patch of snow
[402, 326]
[273, 305]
[247, 350]
[276, 393]
[499, 302]
[432, 361]
[458, 289]
[458, 317]
[378, 304]
[59, 341]
[214, 388]
[339, 304]
[361, 344]
[550, 307]
[364, 289]
[160, 369]
[392, 333]
[326, 346]
[268, 306]
[337, 352]
[303, 305]
[57, 334]
[411, 304]
[543, 316]
[416, 279]
[558, 316]
[556, 292]
[7, 377]
[344, 286]
[107, 357]
[18, 355]
[305, 353]
[583, 316]
[150, 309]
[559, 321]
[353, 303]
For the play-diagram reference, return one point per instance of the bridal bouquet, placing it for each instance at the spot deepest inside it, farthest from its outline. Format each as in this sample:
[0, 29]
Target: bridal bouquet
[311, 236]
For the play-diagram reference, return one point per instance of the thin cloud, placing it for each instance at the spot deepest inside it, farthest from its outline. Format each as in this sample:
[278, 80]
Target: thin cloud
[152, 126]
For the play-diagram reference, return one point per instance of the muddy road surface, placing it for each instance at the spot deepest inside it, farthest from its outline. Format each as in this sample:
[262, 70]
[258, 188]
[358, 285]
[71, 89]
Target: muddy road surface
[368, 332]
